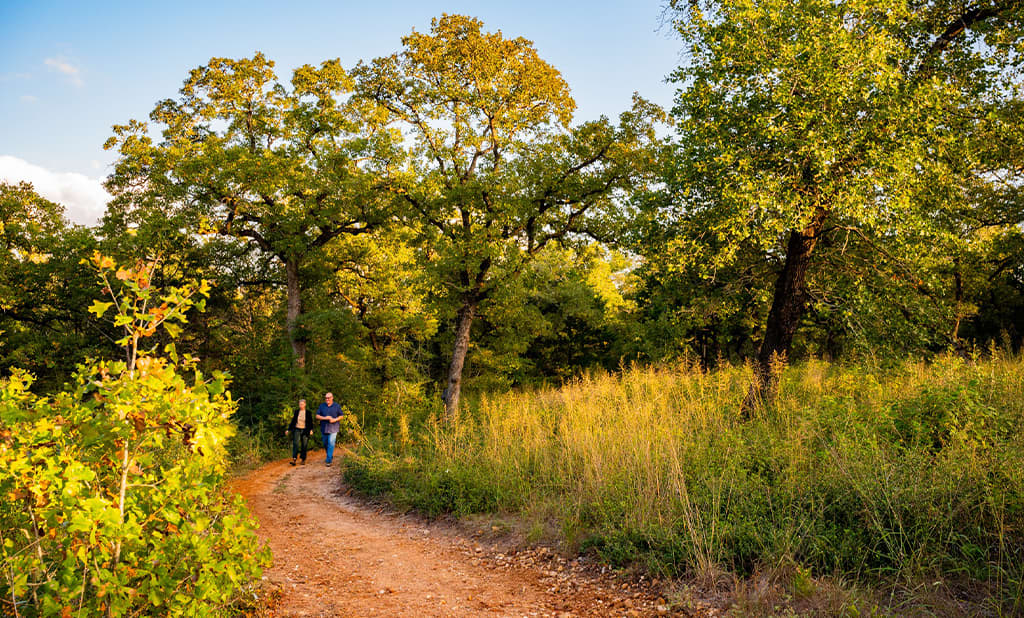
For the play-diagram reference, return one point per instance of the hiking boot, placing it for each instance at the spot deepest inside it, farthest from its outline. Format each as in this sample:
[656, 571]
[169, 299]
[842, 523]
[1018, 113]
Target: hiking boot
[303, 462]
[292, 462]
[328, 464]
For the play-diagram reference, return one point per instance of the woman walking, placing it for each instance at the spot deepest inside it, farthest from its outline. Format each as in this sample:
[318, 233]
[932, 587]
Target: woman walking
[301, 428]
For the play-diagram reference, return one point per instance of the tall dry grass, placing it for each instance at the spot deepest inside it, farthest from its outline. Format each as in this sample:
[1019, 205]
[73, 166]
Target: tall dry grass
[904, 473]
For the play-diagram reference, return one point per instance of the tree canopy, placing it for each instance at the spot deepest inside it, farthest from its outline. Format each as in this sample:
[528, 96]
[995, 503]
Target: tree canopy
[494, 171]
[814, 131]
[244, 155]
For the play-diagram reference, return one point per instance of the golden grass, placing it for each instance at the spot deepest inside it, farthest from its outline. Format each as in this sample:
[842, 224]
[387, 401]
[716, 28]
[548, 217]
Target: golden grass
[903, 472]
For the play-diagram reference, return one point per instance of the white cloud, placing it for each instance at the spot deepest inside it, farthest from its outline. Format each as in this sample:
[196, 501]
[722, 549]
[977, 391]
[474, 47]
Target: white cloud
[28, 98]
[83, 198]
[61, 65]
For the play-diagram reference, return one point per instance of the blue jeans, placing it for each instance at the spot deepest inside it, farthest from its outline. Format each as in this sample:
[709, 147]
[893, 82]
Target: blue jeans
[329, 439]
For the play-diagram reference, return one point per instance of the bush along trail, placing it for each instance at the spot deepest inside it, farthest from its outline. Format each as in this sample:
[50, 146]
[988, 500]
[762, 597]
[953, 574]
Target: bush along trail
[338, 555]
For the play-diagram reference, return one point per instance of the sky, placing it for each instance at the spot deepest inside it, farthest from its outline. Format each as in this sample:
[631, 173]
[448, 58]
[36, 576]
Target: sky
[71, 70]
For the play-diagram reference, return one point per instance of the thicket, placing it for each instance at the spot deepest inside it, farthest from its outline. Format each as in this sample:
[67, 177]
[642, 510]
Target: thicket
[896, 474]
[112, 488]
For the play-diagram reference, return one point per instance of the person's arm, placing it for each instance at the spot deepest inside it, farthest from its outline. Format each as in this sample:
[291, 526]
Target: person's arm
[321, 418]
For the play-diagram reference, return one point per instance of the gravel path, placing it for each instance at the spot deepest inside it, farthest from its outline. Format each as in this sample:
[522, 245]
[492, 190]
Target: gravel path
[338, 555]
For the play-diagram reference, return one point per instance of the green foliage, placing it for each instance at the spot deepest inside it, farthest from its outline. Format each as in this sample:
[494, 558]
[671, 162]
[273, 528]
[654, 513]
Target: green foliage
[493, 172]
[565, 314]
[44, 291]
[372, 315]
[787, 109]
[26, 219]
[429, 489]
[248, 157]
[375, 214]
[992, 307]
[838, 161]
[893, 475]
[112, 491]
[251, 446]
[139, 309]
[258, 160]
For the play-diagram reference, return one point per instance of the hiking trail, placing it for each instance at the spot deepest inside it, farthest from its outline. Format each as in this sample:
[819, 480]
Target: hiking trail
[341, 555]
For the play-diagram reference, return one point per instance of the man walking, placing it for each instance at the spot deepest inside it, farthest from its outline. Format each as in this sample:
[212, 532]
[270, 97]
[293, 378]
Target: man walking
[329, 413]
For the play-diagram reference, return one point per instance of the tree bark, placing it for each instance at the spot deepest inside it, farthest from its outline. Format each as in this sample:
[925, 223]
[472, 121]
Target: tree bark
[291, 269]
[788, 305]
[453, 388]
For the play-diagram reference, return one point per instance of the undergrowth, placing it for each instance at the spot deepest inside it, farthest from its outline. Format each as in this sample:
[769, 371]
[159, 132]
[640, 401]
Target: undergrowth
[252, 446]
[900, 475]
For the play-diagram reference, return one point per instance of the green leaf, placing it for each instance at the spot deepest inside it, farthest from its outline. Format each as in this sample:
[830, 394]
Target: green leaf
[172, 329]
[99, 308]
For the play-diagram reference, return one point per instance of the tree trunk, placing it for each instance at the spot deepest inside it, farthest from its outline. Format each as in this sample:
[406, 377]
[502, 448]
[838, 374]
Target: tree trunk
[959, 288]
[291, 269]
[788, 305]
[453, 388]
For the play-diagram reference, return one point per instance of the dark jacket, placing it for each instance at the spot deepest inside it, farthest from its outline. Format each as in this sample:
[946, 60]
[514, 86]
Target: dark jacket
[309, 421]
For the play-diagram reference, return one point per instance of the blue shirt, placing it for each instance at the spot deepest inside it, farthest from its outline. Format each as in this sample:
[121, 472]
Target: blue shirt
[329, 410]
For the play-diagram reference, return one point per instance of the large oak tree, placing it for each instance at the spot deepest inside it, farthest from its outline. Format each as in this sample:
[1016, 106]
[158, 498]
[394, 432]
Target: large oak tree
[495, 172]
[807, 125]
[247, 156]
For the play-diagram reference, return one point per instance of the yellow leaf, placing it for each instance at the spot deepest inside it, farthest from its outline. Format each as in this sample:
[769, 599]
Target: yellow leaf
[99, 308]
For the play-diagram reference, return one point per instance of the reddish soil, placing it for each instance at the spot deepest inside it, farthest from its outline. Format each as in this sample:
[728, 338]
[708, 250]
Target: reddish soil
[340, 555]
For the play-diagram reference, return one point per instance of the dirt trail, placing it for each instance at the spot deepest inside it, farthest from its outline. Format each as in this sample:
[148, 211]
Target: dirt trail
[337, 555]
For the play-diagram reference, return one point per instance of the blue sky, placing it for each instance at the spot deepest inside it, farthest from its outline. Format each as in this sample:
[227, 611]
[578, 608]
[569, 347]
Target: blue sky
[70, 70]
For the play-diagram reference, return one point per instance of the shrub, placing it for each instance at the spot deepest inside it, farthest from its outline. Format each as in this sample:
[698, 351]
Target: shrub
[112, 489]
